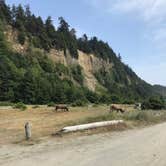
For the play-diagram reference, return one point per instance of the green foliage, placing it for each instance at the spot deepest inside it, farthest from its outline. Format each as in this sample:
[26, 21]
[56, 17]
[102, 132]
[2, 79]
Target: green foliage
[128, 102]
[20, 106]
[21, 38]
[34, 79]
[76, 71]
[61, 69]
[105, 99]
[67, 37]
[160, 90]
[5, 13]
[122, 82]
[79, 103]
[51, 104]
[97, 47]
[92, 96]
[154, 103]
[41, 34]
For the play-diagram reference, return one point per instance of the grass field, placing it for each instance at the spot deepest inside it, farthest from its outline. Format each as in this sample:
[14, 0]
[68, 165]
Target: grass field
[45, 121]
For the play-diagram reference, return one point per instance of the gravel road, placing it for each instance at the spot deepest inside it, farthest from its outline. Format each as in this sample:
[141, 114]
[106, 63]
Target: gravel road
[138, 147]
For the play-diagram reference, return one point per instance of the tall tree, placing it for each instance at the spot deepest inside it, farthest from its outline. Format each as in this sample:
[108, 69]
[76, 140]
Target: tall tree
[64, 26]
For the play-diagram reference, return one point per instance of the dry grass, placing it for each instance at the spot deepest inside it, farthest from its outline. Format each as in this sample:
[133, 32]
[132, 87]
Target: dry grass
[45, 121]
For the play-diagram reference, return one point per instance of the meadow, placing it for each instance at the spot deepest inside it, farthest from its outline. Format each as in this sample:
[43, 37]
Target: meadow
[45, 121]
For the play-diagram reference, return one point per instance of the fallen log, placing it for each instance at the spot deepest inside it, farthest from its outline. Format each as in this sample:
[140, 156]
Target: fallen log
[90, 126]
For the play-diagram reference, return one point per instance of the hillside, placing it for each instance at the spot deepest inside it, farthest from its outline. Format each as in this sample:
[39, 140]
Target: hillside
[40, 63]
[160, 89]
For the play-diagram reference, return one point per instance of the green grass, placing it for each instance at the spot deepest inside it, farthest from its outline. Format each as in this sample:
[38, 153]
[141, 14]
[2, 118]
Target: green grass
[20, 106]
[51, 104]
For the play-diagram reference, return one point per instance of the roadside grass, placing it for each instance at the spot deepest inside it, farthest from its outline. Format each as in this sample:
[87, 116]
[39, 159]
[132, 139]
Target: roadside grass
[144, 117]
[133, 119]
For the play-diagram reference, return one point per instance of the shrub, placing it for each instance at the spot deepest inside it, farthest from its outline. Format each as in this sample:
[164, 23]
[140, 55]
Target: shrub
[51, 104]
[128, 102]
[155, 103]
[91, 96]
[105, 99]
[115, 99]
[78, 103]
[20, 106]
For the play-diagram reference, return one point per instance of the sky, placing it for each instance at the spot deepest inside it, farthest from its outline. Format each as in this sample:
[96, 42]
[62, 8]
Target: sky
[134, 28]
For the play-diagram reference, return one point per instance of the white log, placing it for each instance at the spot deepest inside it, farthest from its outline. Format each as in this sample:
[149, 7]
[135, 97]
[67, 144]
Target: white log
[91, 126]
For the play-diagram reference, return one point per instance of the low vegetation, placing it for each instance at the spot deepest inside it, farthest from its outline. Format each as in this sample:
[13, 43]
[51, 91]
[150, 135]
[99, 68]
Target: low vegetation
[51, 104]
[154, 103]
[20, 106]
[78, 103]
[141, 117]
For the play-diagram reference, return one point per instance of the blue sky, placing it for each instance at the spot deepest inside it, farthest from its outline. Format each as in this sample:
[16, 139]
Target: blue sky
[134, 28]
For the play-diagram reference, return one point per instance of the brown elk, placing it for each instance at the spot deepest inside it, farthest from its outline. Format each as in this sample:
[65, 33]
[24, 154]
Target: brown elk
[117, 109]
[61, 107]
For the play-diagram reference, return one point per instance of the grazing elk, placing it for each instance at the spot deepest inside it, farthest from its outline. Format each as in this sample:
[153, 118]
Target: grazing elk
[117, 109]
[61, 107]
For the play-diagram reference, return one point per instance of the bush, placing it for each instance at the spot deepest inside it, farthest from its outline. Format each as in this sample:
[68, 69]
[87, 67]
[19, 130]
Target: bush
[92, 97]
[128, 102]
[115, 99]
[20, 106]
[51, 104]
[154, 103]
[78, 103]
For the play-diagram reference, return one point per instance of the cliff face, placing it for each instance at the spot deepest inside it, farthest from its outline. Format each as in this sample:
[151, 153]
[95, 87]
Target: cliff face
[89, 63]
[99, 75]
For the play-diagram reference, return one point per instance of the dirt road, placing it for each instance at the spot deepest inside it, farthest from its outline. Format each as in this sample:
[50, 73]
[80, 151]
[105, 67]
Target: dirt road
[139, 147]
